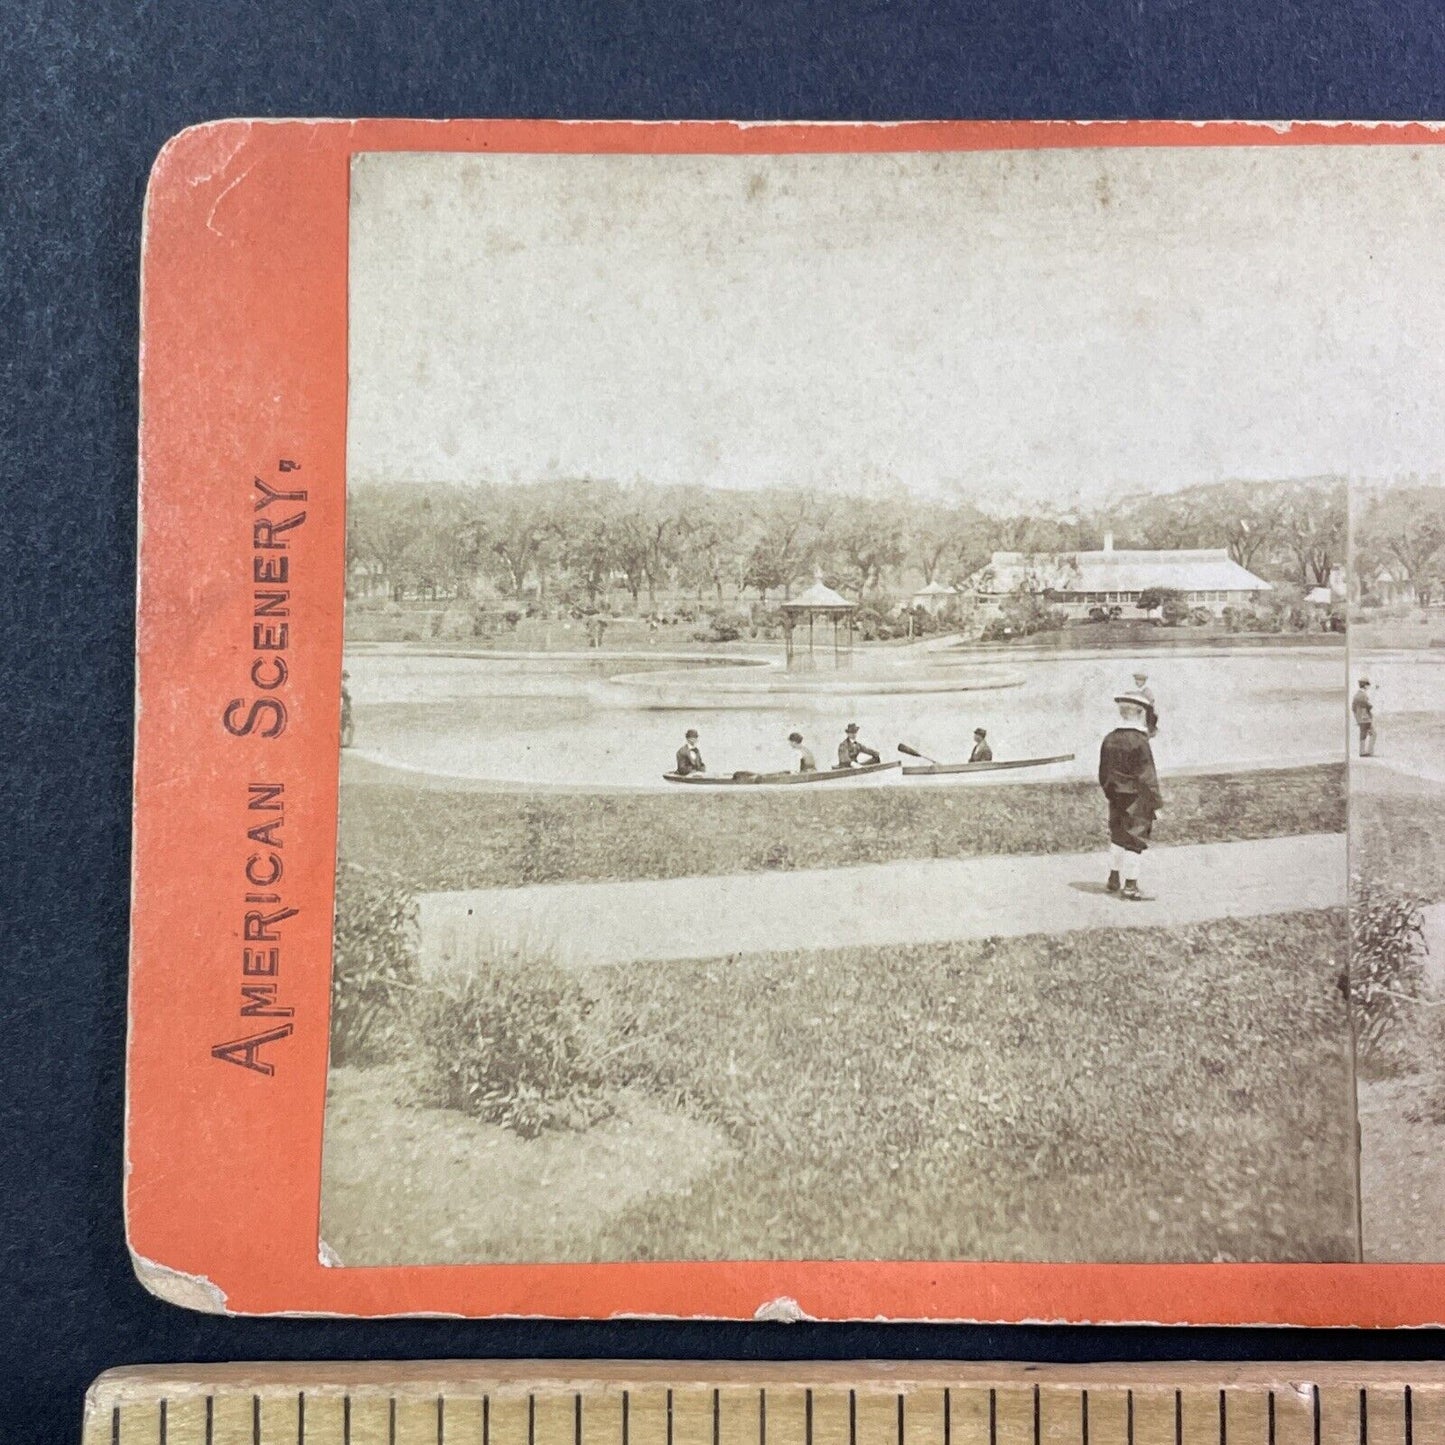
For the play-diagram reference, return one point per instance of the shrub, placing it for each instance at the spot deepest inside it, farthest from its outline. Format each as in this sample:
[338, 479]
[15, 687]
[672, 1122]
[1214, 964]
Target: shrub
[516, 1041]
[723, 627]
[1387, 951]
[1021, 614]
[1174, 611]
[374, 964]
[872, 624]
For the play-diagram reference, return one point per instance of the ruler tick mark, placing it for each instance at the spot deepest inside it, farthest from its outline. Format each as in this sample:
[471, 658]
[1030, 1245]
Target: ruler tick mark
[992, 1416]
[1364, 1418]
[441, 1419]
[115, 1426]
[1409, 1417]
[486, 1420]
[255, 1420]
[1083, 1415]
[391, 1421]
[1271, 1418]
[1038, 1433]
[852, 1418]
[531, 1419]
[716, 1417]
[1178, 1417]
[301, 1417]
[669, 1417]
[626, 1410]
[1316, 1393]
[1129, 1417]
[947, 1416]
[1223, 1419]
[210, 1418]
[900, 1417]
[762, 1417]
[577, 1420]
[345, 1421]
[808, 1417]
[162, 1422]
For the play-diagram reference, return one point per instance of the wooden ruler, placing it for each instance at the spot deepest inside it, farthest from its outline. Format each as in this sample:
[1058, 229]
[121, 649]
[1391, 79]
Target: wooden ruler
[633, 1403]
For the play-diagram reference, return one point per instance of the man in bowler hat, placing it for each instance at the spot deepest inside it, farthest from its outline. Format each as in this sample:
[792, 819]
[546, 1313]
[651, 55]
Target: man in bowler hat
[851, 752]
[689, 759]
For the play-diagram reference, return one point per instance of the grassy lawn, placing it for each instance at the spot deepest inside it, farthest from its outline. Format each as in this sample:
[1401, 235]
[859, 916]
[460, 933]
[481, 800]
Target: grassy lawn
[1132, 1095]
[1141, 635]
[1397, 832]
[1164, 1095]
[1371, 633]
[438, 837]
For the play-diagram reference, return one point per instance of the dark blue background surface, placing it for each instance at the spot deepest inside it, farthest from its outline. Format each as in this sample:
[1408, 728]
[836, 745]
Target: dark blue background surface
[88, 92]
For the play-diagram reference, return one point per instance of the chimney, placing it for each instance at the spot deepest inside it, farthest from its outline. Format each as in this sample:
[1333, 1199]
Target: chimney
[1108, 541]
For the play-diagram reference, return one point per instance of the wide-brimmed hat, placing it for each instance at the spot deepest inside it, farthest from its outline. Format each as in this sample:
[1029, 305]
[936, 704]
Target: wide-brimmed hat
[1135, 699]
[690, 733]
[851, 728]
[1364, 682]
[980, 732]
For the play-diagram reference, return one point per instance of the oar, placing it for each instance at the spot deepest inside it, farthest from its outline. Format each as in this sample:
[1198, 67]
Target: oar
[914, 753]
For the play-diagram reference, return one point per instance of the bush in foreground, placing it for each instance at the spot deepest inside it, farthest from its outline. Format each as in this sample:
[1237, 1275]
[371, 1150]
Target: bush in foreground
[374, 963]
[1387, 957]
[516, 1041]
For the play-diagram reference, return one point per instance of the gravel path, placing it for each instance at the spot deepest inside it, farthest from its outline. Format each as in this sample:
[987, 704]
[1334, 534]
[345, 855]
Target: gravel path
[918, 901]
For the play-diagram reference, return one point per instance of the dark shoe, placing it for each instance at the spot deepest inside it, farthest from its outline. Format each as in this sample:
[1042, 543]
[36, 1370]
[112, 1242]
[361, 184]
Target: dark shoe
[1112, 886]
[1132, 893]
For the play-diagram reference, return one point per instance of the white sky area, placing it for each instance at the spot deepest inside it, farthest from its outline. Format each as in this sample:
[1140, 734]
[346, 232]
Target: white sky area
[1009, 327]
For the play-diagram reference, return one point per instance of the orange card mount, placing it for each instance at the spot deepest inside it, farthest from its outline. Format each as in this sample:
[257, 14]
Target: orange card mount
[497, 475]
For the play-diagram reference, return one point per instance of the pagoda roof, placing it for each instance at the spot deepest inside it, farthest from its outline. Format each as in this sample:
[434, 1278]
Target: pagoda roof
[819, 598]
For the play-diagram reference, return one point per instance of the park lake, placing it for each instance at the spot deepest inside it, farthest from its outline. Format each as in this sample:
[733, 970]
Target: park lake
[615, 721]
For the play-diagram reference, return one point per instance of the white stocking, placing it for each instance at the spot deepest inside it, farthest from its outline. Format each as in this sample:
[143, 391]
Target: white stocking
[1116, 858]
[1131, 867]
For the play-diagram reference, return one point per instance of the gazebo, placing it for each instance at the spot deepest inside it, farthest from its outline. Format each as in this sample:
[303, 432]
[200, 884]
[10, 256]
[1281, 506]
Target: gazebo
[935, 597]
[819, 601]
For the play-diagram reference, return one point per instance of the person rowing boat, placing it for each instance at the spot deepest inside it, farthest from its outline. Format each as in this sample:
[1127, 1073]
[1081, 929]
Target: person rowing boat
[689, 759]
[981, 753]
[851, 752]
[807, 763]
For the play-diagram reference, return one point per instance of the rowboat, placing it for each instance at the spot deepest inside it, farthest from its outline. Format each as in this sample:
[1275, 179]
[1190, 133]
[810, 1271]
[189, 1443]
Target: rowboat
[932, 770]
[735, 780]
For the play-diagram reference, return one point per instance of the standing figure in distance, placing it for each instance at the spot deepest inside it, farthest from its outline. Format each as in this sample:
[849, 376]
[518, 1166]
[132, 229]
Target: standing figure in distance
[981, 753]
[807, 763]
[348, 727]
[1364, 711]
[1151, 713]
[1127, 776]
[851, 751]
[689, 759]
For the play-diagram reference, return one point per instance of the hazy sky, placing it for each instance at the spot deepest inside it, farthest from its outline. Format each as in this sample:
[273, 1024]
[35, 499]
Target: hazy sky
[1064, 325]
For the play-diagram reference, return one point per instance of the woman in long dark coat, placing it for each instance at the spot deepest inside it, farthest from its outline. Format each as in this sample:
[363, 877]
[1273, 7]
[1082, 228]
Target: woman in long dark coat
[1130, 783]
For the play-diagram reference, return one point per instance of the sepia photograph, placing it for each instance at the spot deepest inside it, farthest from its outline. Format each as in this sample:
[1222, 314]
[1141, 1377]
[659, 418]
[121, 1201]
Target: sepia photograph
[1397, 856]
[888, 709]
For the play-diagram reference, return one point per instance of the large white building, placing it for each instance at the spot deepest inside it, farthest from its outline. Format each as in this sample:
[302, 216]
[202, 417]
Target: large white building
[1079, 581]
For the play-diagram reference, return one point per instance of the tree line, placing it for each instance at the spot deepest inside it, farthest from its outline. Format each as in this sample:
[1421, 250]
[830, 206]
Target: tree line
[580, 540]
[1400, 534]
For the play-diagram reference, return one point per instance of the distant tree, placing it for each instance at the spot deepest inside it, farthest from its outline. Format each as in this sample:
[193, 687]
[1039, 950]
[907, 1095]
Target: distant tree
[707, 542]
[588, 545]
[1312, 526]
[507, 532]
[790, 530]
[948, 541]
[1402, 528]
[867, 540]
[1162, 600]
